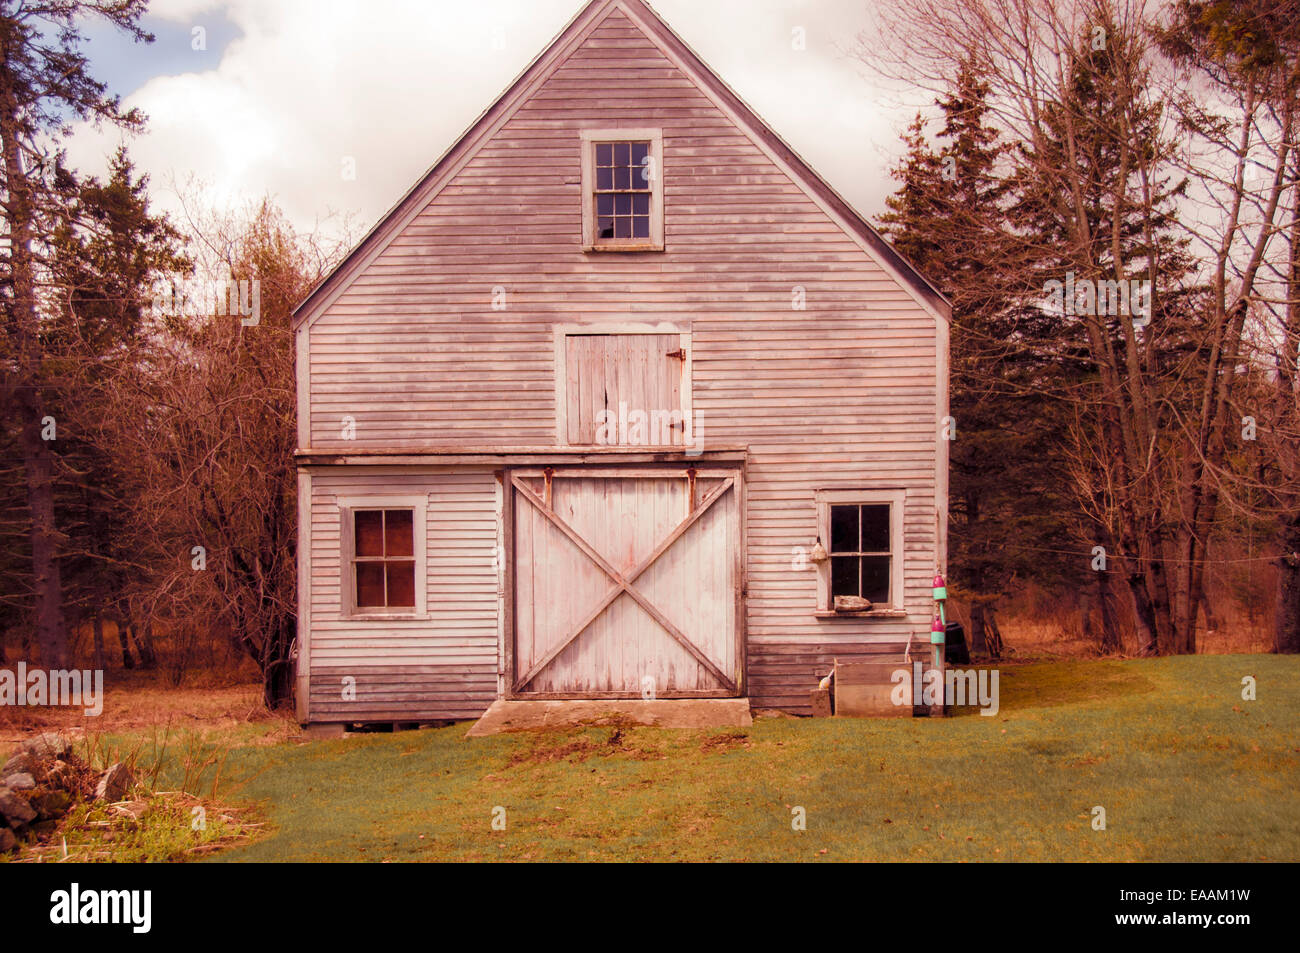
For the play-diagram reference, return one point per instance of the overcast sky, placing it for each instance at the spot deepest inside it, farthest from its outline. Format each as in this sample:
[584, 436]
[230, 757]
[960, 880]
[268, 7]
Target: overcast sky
[286, 89]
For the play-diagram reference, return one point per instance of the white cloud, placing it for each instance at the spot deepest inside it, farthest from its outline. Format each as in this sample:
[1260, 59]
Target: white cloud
[393, 83]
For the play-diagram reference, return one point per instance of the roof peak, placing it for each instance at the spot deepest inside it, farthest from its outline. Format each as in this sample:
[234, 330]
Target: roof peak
[657, 30]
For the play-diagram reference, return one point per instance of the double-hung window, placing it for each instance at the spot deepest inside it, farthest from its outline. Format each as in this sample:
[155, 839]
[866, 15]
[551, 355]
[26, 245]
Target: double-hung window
[862, 533]
[383, 558]
[622, 190]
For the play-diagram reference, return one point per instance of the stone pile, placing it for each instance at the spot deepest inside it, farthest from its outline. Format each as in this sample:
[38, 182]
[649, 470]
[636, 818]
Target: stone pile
[43, 778]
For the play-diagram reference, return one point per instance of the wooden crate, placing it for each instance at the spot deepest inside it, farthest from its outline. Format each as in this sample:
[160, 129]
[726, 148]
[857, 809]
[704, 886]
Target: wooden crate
[865, 689]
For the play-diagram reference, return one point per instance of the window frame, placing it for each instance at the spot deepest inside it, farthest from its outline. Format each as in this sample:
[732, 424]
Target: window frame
[419, 506]
[590, 243]
[560, 335]
[896, 498]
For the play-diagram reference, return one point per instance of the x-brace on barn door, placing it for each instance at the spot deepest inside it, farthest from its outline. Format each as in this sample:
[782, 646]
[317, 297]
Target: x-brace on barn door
[626, 583]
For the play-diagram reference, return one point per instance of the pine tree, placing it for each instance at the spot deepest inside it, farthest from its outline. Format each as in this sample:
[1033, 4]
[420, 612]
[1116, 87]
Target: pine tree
[948, 218]
[1092, 206]
[106, 254]
[45, 84]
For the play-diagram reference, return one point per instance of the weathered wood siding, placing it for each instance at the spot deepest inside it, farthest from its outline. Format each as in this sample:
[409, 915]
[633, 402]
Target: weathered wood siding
[440, 666]
[839, 394]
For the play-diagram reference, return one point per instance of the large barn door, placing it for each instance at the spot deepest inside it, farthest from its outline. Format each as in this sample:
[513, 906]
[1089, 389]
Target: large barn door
[626, 584]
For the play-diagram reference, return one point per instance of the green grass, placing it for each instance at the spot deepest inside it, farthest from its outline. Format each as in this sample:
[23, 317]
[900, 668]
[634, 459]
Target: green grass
[1185, 769]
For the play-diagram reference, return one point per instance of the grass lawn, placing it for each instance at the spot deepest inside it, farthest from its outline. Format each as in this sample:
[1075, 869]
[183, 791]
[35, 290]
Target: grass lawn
[1184, 767]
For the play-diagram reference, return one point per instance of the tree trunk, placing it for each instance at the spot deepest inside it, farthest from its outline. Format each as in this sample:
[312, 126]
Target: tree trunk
[1286, 629]
[51, 629]
[1286, 613]
[277, 677]
[143, 638]
[97, 627]
[47, 583]
[978, 640]
[994, 634]
[128, 662]
[1110, 642]
[1211, 620]
[1148, 632]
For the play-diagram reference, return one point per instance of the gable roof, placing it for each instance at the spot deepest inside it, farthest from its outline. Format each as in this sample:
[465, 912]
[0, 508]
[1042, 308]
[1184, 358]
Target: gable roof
[535, 74]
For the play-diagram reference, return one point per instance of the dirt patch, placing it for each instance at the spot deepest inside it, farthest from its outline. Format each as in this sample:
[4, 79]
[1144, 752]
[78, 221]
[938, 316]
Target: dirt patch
[715, 744]
[549, 746]
[573, 752]
[1087, 761]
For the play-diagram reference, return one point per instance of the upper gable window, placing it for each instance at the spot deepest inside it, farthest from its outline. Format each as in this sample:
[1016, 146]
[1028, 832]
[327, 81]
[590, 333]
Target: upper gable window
[622, 190]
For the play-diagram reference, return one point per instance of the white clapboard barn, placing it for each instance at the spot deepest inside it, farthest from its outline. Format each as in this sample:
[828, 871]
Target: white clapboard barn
[579, 416]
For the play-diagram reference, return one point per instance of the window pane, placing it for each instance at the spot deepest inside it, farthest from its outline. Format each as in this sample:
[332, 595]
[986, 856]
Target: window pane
[641, 204]
[398, 540]
[622, 153]
[401, 585]
[623, 178]
[605, 228]
[604, 153]
[604, 205]
[622, 205]
[370, 585]
[875, 579]
[641, 227]
[844, 529]
[638, 151]
[622, 228]
[604, 179]
[844, 576]
[369, 534]
[875, 528]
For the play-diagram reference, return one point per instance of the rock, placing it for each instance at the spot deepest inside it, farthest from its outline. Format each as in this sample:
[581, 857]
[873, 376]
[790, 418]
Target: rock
[132, 809]
[58, 774]
[18, 782]
[52, 805]
[7, 840]
[15, 810]
[50, 744]
[20, 763]
[114, 782]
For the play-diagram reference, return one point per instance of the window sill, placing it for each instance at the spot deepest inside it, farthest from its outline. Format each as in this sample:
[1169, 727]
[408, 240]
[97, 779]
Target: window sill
[624, 246]
[384, 617]
[861, 614]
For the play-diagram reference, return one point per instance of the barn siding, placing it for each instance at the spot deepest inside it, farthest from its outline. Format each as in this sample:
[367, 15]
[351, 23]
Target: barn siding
[443, 666]
[840, 394]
